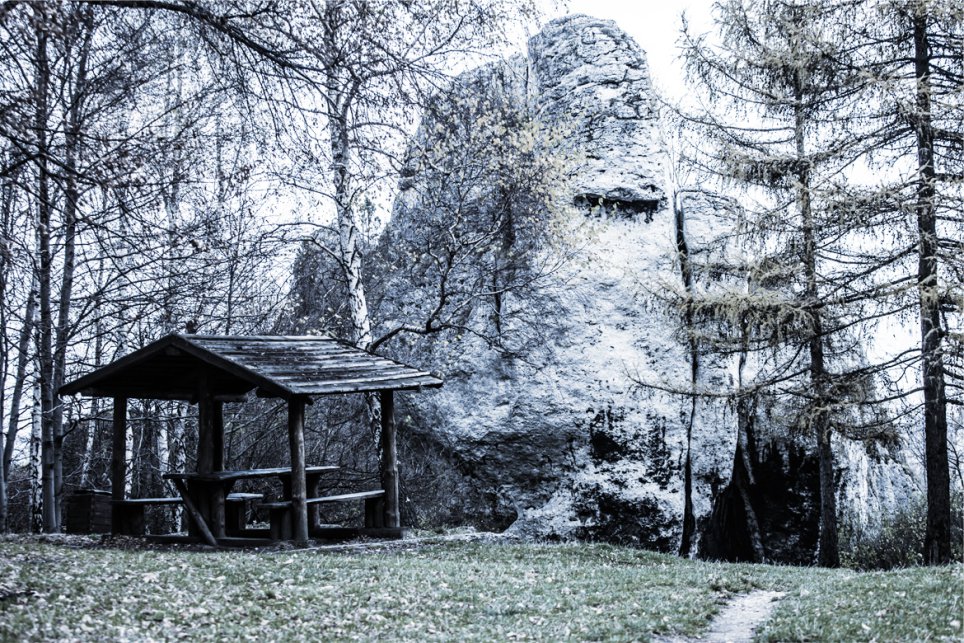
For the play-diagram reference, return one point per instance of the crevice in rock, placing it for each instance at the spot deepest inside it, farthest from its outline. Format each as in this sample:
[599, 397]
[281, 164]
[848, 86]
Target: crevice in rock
[598, 205]
[733, 532]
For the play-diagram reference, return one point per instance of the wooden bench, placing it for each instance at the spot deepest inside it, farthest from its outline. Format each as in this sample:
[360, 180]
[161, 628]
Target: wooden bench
[280, 512]
[209, 500]
[130, 513]
[133, 502]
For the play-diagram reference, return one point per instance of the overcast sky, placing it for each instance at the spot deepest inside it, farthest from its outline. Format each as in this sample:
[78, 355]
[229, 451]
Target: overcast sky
[655, 25]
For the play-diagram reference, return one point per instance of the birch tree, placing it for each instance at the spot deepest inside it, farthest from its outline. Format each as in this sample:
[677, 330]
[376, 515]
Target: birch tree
[380, 64]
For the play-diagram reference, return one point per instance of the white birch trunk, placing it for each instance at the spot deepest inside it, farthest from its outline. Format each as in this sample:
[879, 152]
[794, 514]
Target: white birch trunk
[36, 472]
[129, 455]
[92, 425]
[351, 258]
[175, 455]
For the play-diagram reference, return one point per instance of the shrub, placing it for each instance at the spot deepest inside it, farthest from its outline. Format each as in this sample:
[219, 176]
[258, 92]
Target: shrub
[899, 540]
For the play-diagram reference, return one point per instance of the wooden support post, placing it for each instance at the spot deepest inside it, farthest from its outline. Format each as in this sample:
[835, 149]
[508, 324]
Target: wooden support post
[205, 431]
[118, 462]
[193, 512]
[217, 509]
[296, 438]
[217, 435]
[205, 456]
[389, 460]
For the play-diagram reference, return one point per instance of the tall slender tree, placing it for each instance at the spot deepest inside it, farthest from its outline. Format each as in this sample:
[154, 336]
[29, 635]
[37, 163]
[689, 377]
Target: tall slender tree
[912, 51]
[780, 129]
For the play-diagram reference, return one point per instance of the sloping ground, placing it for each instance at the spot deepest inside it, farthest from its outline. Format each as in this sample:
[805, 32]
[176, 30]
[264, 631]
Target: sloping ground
[456, 591]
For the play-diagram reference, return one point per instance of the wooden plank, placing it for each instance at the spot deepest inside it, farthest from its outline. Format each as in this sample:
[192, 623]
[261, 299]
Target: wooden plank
[365, 387]
[278, 504]
[281, 522]
[218, 510]
[361, 386]
[195, 514]
[228, 541]
[246, 474]
[118, 458]
[217, 425]
[274, 358]
[347, 376]
[389, 464]
[278, 367]
[375, 512]
[296, 438]
[140, 393]
[114, 367]
[231, 366]
[231, 397]
[148, 501]
[347, 497]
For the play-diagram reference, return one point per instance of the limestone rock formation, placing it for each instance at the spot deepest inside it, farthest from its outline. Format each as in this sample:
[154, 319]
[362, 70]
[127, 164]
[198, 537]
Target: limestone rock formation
[580, 430]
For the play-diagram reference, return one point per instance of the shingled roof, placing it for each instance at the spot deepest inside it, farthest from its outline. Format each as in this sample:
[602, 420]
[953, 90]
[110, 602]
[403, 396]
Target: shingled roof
[177, 366]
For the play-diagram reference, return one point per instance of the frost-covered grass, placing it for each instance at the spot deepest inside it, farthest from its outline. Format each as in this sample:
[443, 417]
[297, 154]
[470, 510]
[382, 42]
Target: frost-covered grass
[444, 592]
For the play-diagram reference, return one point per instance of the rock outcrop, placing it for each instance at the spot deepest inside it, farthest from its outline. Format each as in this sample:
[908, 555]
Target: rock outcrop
[580, 429]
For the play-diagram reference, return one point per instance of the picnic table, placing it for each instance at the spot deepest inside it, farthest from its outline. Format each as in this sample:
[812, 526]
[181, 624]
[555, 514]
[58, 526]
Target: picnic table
[205, 494]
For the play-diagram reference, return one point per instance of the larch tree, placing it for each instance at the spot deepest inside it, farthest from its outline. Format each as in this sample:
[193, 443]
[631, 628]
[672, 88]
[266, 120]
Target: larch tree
[913, 52]
[780, 130]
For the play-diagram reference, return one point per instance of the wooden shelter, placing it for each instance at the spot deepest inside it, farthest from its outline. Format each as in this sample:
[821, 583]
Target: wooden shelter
[210, 370]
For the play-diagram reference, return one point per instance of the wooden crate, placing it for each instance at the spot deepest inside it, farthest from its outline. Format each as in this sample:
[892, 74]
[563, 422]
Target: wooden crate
[88, 512]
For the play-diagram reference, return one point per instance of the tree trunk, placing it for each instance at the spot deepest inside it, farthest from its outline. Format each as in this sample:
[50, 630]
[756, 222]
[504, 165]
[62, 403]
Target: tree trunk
[349, 251]
[45, 335]
[72, 132]
[686, 272]
[5, 225]
[88, 454]
[296, 443]
[3, 498]
[819, 421]
[118, 458]
[176, 451]
[937, 539]
[36, 468]
[389, 462]
[23, 361]
[93, 427]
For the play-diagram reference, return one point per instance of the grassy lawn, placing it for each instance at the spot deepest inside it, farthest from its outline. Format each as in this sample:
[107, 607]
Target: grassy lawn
[446, 592]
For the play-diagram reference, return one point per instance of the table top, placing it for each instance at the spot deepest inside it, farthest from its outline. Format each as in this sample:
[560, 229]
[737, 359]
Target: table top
[221, 476]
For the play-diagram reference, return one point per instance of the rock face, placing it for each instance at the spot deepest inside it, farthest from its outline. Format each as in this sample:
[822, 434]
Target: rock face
[580, 430]
[590, 75]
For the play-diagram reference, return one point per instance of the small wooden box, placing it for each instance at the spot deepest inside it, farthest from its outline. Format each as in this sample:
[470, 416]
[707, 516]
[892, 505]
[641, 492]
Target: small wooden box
[88, 512]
